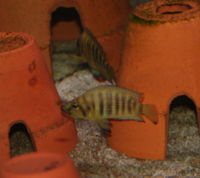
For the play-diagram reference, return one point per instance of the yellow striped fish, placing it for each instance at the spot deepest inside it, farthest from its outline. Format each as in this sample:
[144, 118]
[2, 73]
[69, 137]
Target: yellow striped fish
[109, 102]
[92, 53]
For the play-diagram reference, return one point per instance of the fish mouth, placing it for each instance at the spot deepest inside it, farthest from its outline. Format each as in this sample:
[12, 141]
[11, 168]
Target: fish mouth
[63, 108]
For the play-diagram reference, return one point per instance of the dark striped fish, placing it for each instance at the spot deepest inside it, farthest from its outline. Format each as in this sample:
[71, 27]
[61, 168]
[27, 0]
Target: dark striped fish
[109, 102]
[93, 54]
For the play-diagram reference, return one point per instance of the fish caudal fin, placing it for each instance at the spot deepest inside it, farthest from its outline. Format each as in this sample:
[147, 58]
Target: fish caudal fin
[150, 112]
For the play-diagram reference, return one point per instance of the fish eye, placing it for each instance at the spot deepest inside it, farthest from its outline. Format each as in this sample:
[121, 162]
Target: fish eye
[75, 106]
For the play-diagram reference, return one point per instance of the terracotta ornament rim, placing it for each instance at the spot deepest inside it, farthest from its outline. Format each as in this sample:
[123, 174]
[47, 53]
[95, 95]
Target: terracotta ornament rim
[168, 10]
[24, 37]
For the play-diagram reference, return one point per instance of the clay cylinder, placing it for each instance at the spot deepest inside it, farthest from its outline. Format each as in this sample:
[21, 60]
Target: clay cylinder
[161, 60]
[28, 98]
[39, 165]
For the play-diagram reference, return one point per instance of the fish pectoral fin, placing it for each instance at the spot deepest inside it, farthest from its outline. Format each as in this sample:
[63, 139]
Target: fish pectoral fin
[150, 112]
[103, 124]
[105, 132]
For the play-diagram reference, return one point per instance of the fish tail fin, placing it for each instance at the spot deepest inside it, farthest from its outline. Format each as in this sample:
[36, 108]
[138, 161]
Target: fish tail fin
[93, 52]
[150, 112]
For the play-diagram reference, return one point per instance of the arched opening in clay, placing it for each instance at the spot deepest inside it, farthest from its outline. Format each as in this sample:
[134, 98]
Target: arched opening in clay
[183, 133]
[21, 141]
[66, 28]
[65, 24]
[173, 8]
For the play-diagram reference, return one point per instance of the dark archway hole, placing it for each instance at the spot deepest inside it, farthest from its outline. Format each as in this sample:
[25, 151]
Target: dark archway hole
[20, 139]
[65, 14]
[183, 130]
[183, 101]
[66, 28]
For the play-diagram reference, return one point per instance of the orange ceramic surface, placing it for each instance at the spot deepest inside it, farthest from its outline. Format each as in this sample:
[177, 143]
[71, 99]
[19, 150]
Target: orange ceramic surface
[113, 45]
[66, 31]
[102, 17]
[39, 165]
[161, 60]
[28, 96]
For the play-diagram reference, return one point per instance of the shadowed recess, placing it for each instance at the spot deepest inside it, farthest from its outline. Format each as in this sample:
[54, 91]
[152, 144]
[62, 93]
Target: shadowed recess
[65, 14]
[183, 133]
[183, 101]
[65, 22]
[20, 140]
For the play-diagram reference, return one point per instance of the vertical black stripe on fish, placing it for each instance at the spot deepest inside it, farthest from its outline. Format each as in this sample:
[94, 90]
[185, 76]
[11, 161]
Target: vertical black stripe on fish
[88, 49]
[93, 52]
[101, 104]
[134, 104]
[116, 103]
[86, 105]
[92, 102]
[92, 48]
[123, 100]
[96, 61]
[96, 57]
[109, 103]
[83, 111]
[131, 104]
[82, 44]
[100, 57]
[96, 53]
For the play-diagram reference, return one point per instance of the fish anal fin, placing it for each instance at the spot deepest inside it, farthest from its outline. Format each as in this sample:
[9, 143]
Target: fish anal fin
[103, 124]
[150, 111]
[106, 132]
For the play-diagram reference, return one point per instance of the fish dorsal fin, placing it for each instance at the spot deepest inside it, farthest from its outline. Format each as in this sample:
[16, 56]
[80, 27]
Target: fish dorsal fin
[94, 54]
[89, 46]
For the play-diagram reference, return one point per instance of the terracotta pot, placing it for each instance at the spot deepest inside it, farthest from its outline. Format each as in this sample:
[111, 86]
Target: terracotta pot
[39, 165]
[109, 16]
[28, 97]
[161, 60]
